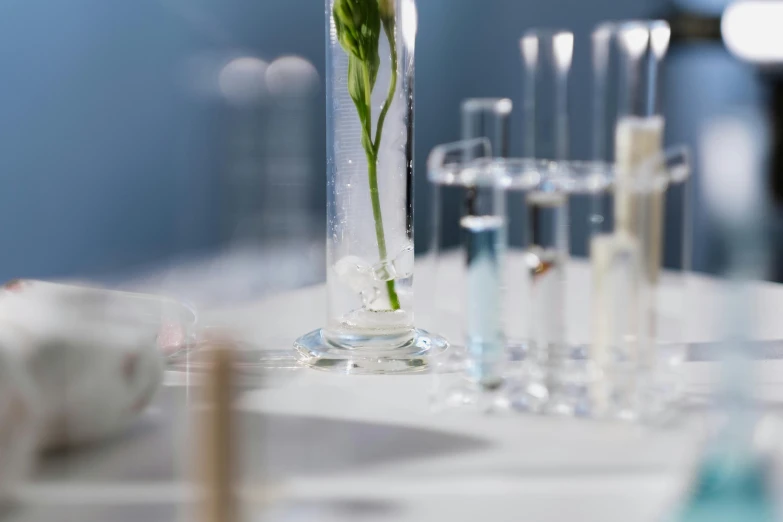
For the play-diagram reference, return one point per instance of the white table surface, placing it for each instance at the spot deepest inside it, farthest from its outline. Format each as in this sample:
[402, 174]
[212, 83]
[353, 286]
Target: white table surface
[336, 447]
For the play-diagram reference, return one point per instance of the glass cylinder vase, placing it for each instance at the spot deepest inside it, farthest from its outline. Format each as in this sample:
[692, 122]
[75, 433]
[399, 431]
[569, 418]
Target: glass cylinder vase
[370, 256]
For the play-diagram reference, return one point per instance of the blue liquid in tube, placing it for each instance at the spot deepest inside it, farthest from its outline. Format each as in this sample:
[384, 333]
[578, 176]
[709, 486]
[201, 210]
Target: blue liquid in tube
[484, 241]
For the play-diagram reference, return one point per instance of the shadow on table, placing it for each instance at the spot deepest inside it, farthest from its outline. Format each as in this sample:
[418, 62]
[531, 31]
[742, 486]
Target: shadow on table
[323, 511]
[304, 445]
[159, 447]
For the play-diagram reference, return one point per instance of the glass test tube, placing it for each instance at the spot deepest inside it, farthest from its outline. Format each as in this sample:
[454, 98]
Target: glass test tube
[603, 58]
[484, 233]
[468, 168]
[546, 56]
[621, 324]
[616, 272]
[638, 139]
[486, 118]
[639, 129]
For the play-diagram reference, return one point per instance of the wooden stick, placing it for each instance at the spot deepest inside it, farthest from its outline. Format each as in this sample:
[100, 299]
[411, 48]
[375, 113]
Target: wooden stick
[217, 448]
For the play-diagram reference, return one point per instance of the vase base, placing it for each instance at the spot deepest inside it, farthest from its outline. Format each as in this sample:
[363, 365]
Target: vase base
[320, 351]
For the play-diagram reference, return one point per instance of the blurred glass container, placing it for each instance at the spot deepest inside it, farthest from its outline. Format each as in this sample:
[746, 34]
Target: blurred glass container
[172, 324]
[370, 50]
[573, 369]
[465, 268]
[95, 357]
[547, 55]
[488, 118]
[735, 478]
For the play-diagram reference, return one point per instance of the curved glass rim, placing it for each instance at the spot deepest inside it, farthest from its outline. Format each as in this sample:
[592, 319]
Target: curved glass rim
[523, 173]
[670, 166]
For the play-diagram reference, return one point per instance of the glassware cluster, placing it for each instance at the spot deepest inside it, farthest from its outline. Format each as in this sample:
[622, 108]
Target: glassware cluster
[520, 244]
[542, 238]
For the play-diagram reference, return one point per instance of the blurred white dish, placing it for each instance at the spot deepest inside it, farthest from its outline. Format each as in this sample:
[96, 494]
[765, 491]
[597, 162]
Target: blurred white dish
[92, 355]
[20, 415]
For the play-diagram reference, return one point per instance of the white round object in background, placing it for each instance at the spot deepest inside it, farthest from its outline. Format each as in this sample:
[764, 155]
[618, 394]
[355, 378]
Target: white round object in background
[292, 76]
[752, 31]
[242, 81]
[20, 413]
[732, 150]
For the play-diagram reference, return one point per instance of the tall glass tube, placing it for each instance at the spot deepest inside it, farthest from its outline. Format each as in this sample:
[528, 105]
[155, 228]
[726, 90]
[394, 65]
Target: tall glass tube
[626, 65]
[602, 60]
[546, 56]
[470, 271]
[451, 190]
[484, 239]
[639, 127]
[370, 71]
[627, 59]
[488, 118]
[631, 384]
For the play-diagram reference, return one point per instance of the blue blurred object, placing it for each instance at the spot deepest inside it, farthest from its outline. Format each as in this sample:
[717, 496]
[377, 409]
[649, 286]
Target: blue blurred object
[729, 490]
[733, 481]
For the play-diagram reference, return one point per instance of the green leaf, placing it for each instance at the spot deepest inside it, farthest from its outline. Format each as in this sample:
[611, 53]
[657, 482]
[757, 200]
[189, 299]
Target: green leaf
[373, 63]
[358, 25]
[356, 88]
[344, 24]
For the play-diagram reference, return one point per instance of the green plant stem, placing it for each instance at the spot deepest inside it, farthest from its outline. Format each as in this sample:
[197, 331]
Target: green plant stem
[375, 198]
[389, 30]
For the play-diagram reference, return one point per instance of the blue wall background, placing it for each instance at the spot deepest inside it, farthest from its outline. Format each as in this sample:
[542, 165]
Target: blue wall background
[109, 162]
